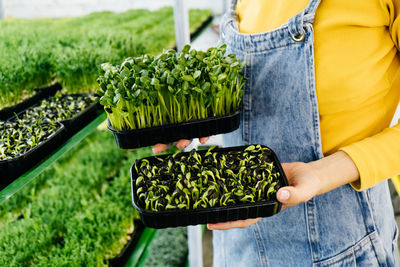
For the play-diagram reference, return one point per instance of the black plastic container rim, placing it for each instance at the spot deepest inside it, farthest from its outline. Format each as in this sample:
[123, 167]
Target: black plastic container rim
[122, 257]
[206, 210]
[170, 125]
[196, 33]
[211, 209]
[57, 86]
[88, 107]
[40, 93]
[60, 129]
[91, 105]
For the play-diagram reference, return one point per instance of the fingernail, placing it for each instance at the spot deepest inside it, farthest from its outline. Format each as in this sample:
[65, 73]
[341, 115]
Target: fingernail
[284, 195]
[154, 150]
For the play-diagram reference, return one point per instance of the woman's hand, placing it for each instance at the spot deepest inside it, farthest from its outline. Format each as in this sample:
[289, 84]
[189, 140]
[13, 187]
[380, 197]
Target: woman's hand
[306, 180]
[304, 184]
[181, 144]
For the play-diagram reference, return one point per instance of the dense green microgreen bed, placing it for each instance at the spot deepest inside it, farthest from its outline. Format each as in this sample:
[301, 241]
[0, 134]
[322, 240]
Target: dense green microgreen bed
[36, 52]
[169, 248]
[172, 87]
[211, 179]
[38, 123]
[77, 213]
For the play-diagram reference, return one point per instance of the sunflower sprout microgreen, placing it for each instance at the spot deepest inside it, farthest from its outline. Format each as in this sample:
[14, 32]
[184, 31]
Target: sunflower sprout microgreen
[210, 179]
[172, 87]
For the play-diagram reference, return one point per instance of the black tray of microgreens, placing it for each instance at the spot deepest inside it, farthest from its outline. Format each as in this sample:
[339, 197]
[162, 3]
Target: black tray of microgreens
[35, 133]
[24, 143]
[216, 185]
[40, 94]
[74, 111]
[176, 95]
[122, 258]
[173, 132]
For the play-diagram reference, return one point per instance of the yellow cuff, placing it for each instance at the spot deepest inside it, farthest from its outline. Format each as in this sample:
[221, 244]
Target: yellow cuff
[360, 158]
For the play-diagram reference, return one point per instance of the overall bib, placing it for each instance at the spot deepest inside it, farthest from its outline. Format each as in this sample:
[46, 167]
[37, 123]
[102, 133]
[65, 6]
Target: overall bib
[340, 228]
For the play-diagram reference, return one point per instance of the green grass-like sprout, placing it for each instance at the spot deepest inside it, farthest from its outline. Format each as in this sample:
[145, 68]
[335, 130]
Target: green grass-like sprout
[170, 88]
[36, 124]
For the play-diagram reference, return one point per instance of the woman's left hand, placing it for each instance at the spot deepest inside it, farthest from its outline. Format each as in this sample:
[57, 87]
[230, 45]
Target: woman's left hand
[306, 180]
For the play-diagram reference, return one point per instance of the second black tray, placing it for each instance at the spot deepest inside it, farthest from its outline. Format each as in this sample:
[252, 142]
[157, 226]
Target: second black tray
[129, 247]
[80, 120]
[173, 132]
[174, 218]
[41, 94]
[12, 168]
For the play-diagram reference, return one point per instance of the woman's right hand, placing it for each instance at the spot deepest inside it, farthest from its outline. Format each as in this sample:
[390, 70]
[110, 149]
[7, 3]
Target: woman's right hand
[181, 144]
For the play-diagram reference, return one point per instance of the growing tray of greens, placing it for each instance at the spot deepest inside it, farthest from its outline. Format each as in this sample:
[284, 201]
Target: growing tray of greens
[40, 94]
[174, 95]
[24, 143]
[74, 111]
[216, 185]
[36, 132]
[126, 252]
[81, 109]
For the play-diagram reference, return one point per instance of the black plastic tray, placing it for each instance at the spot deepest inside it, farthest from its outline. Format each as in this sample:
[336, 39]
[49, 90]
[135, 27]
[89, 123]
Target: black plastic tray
[122, 258]
[77, 122]
[12, 168]
[174, 218]
[80, 120]
[173, 132]
[196, 33]
[41, 94]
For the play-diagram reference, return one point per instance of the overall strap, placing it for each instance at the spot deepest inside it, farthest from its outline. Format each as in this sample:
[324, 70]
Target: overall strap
[232, 6]
[296, 23]
[309, 12]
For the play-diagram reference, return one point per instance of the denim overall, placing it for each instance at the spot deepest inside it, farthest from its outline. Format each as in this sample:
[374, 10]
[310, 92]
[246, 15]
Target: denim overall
[340, 228]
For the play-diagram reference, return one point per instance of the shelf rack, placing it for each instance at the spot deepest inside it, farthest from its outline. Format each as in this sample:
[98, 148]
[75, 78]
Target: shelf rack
[194, 232]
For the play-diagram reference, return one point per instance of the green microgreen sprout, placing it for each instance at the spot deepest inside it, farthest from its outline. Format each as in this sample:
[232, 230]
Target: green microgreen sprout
[211, 179]
[36, 124]
[172, 87]
[21, 135]
[71, 51]
[59, 107]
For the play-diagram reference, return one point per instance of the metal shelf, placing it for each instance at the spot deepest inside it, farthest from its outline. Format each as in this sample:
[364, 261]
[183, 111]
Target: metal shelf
[27, 177]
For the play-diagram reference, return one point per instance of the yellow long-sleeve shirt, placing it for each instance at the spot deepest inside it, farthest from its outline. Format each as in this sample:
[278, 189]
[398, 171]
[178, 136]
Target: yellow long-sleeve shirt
[357, 75]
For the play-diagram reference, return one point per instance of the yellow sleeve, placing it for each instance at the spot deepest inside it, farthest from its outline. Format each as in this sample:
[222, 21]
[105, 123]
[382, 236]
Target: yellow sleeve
[378, 157]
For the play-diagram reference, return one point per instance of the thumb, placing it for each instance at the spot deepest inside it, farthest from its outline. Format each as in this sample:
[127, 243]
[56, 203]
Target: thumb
[291, 195]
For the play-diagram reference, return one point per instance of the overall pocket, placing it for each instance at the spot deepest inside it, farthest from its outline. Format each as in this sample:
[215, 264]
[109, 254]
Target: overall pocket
[361, 254]
[349, 228]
